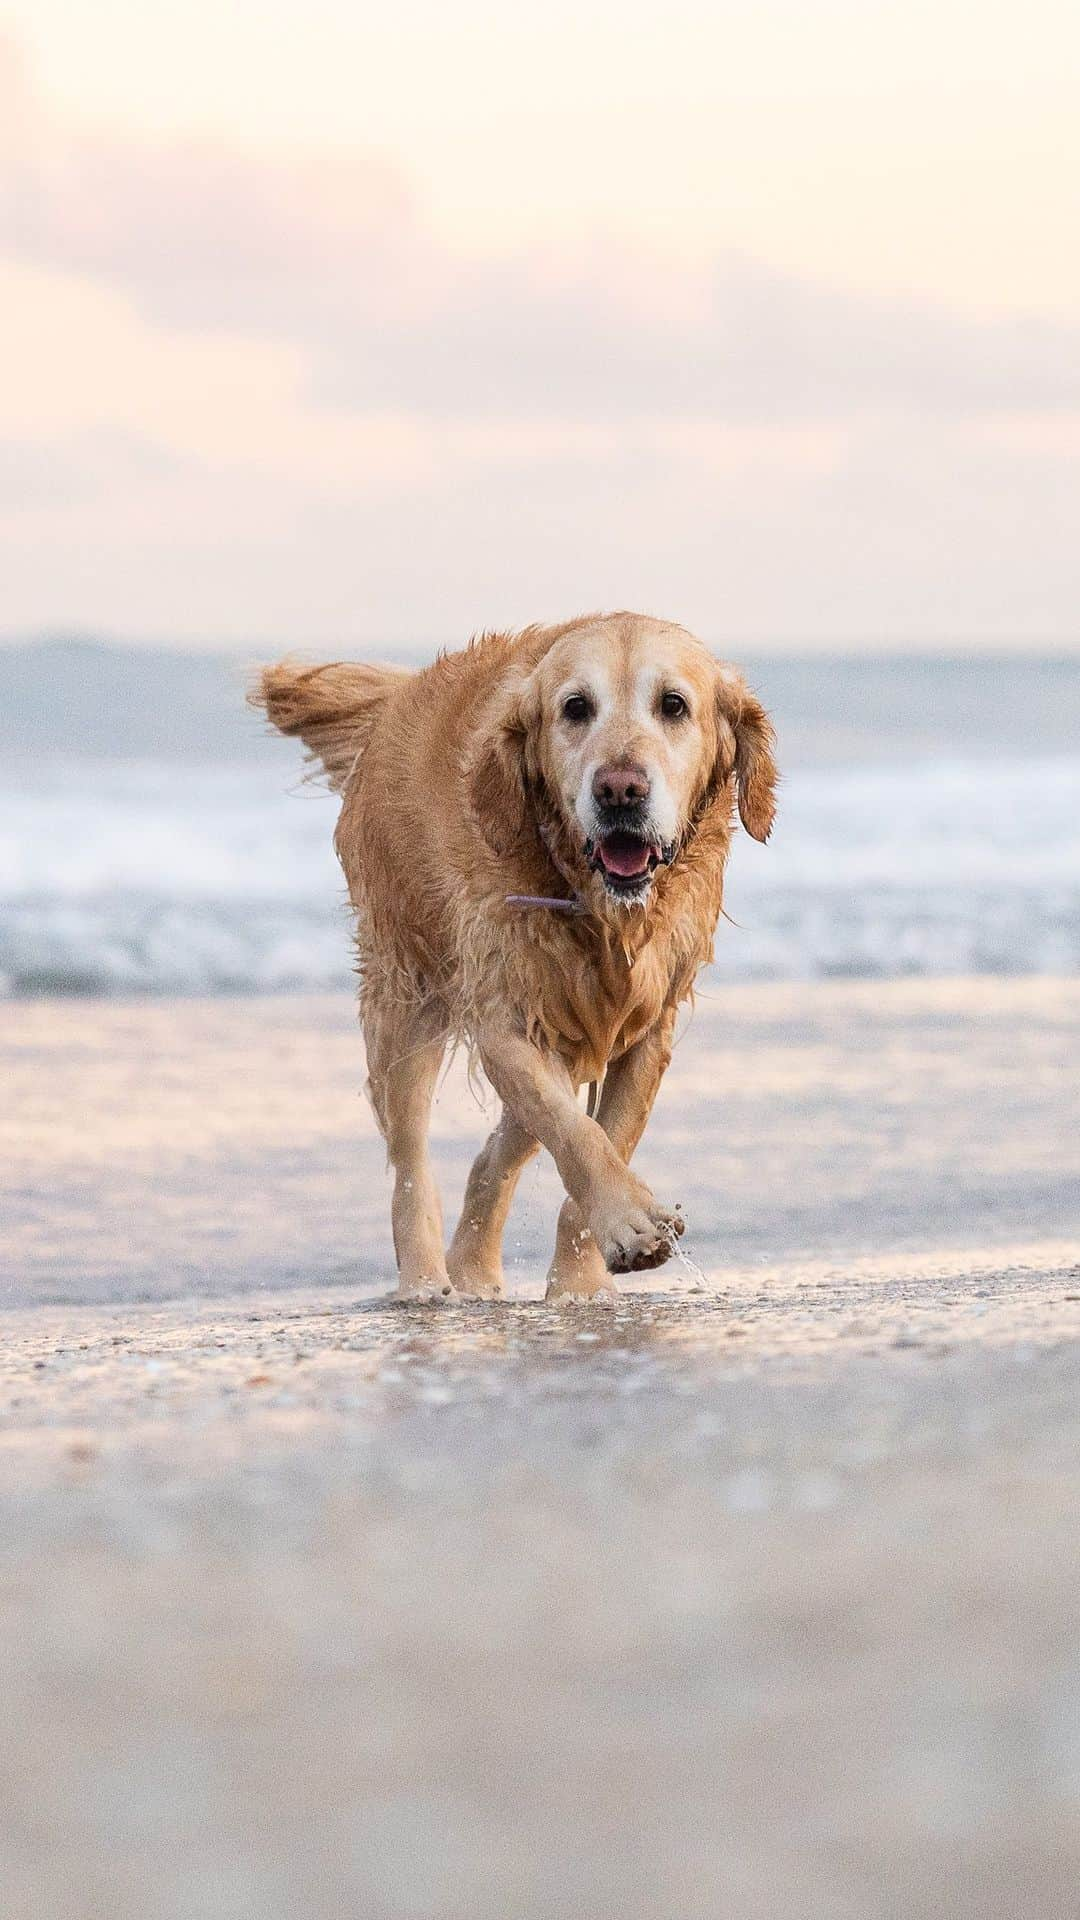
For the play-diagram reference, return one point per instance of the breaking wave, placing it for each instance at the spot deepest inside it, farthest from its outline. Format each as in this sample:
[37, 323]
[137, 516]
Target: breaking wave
[121, 878]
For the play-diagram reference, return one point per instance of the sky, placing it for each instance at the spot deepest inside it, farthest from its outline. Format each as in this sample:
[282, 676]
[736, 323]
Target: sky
[325, 324]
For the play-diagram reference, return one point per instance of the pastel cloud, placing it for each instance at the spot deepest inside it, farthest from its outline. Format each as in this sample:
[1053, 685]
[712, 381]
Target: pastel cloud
[260, 394]
[328, 251]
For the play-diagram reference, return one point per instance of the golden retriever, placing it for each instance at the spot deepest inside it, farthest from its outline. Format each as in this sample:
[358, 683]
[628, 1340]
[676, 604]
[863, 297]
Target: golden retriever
[534, 832]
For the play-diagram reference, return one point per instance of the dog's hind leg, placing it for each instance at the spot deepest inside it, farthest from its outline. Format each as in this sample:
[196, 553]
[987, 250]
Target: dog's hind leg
[475, 1258]
[405, 1047]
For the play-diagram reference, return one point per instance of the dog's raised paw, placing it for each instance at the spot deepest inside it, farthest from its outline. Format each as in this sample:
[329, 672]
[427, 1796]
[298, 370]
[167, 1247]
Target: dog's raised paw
[643, 1237]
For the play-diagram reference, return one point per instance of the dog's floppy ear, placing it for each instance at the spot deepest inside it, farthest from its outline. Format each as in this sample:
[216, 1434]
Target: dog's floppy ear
[499, 773]
[745, 746]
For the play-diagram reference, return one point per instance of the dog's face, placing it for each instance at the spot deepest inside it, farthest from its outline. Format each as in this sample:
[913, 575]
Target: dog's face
[630, 724]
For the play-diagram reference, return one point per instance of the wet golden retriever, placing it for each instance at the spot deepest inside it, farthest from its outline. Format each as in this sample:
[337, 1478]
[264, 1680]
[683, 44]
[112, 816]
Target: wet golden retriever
[534, 833]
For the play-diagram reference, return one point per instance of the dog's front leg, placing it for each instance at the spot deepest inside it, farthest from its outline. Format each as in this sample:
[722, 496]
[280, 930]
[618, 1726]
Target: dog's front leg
[629, 1227]
[577, 1270]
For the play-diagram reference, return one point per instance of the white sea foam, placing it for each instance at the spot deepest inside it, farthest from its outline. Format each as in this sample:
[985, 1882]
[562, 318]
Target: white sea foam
[122, 877]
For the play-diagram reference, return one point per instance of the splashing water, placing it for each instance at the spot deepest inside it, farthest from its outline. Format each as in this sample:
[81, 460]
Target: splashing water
[692, 1268]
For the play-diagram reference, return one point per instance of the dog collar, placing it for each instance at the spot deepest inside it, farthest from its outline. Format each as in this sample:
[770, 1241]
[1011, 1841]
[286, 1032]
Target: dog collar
[576, 905]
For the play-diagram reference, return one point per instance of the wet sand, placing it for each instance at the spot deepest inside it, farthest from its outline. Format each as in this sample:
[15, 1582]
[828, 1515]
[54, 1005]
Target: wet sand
[155, 1150]
[754, 1600]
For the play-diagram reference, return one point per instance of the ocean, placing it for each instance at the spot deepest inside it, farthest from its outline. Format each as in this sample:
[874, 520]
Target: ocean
[152, 841]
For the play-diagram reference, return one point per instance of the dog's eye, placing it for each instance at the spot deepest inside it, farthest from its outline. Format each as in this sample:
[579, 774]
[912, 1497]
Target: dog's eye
[577, 706]
[673, 706]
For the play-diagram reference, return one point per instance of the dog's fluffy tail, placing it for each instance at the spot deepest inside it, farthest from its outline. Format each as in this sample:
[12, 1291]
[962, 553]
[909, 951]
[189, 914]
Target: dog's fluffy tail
[332, 709]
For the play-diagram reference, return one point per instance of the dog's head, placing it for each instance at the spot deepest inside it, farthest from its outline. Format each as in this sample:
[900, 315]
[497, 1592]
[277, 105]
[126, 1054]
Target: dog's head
[627, 730]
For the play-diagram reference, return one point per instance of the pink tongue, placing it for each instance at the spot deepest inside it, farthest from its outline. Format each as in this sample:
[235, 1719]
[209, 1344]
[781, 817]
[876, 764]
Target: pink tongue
[625, 856]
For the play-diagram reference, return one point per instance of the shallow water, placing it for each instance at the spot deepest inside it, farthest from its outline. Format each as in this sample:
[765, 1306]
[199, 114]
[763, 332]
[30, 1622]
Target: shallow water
[152, 1150]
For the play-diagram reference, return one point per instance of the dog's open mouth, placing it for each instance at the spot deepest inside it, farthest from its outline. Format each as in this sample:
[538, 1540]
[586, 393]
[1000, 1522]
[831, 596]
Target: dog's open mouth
[626, 860]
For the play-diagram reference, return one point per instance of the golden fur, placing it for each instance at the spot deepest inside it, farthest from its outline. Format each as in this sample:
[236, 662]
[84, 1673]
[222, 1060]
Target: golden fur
[457, 787]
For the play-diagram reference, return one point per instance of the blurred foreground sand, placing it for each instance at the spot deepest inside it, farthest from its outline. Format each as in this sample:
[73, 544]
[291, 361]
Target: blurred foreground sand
[758, 1601]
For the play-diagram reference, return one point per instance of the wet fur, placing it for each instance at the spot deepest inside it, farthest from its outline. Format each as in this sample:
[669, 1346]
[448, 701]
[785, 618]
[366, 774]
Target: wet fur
[447, 807]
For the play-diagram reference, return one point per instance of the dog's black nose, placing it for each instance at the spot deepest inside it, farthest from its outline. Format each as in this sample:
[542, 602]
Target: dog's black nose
[620, 786]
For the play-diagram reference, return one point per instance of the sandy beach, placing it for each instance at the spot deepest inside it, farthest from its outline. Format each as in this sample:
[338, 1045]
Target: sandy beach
[755, 1595]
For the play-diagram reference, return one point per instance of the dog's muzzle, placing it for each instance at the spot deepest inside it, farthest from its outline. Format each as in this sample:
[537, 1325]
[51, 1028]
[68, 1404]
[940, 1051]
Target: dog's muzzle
[626, 852]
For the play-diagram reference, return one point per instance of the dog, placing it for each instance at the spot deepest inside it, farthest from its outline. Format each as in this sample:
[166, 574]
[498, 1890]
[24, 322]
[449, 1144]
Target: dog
[534, 832]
